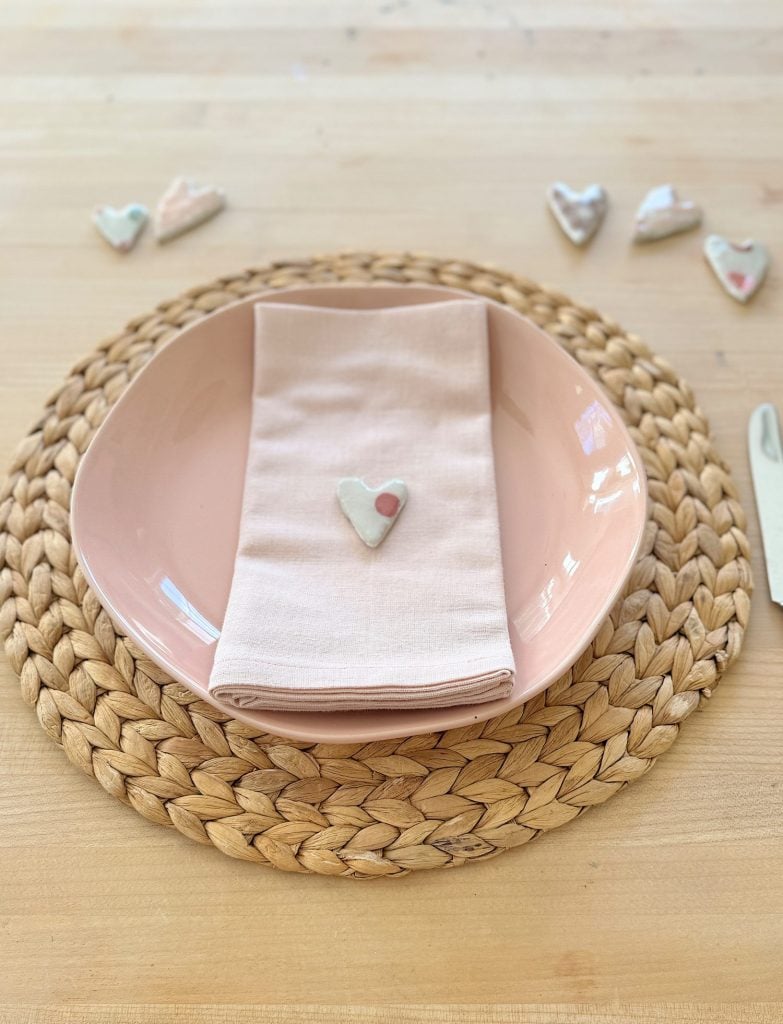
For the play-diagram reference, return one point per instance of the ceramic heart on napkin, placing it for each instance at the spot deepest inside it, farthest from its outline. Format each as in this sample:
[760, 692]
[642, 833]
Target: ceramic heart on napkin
[372, 511]
[120, 228]
[740, 267]
[579, 214]
[663, 213]
[184, 205]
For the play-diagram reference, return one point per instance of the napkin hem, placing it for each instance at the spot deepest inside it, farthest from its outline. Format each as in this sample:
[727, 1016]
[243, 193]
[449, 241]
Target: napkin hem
[250, 672]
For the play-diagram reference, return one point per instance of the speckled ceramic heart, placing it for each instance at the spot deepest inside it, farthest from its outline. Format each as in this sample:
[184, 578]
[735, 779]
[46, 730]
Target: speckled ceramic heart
[121, 228]
[739, 266]
[372, 511]
[184, 205]
[663, 213]
[579, 214]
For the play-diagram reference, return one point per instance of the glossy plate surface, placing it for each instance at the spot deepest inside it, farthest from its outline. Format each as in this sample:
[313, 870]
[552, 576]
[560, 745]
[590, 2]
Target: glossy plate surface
[156, 504]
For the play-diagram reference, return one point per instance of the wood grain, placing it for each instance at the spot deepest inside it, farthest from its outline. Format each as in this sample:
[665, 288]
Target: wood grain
[432, 126]
[486, 1013]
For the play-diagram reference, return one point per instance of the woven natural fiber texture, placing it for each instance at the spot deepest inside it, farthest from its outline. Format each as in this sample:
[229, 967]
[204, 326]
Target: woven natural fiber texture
[381, 808]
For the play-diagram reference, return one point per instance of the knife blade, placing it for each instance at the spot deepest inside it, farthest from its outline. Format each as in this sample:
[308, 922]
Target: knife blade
[766, 466]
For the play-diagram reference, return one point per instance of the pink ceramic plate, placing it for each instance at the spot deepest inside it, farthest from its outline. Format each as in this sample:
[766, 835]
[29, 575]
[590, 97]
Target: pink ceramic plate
[157, 500]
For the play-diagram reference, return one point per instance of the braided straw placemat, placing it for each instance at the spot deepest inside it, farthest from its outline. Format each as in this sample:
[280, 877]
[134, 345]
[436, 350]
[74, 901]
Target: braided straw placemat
[388, 807]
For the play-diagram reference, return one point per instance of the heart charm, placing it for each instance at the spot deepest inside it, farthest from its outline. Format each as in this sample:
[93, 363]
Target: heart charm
[120, 228]
[663, 213]
[184, 205]
[740, 268]
[579, 214]
[372, 511]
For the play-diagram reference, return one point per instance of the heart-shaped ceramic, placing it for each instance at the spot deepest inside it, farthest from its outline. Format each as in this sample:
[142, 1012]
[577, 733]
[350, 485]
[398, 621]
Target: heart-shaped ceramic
[184, 205]
[663, 213]
[740, 267]
[372, 511]
[579, 214]
[121, 228]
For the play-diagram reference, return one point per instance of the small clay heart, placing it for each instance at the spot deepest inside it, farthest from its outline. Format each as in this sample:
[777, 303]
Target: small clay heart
[740, 267]
[663, 213]
[372, 511]
[184, 205]
[120, 228]
[579, 214]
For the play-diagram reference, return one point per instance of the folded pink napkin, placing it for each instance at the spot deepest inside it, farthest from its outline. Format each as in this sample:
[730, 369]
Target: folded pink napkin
[316, 619]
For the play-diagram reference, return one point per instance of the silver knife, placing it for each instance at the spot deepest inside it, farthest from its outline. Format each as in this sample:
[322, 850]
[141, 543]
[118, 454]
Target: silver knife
[766, 466]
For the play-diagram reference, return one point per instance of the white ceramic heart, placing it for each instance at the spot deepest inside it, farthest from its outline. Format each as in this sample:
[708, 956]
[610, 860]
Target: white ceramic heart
[121, 228]
[740, 267]
[579, 214]
[372, 511]
[184, 205]
[663, 213]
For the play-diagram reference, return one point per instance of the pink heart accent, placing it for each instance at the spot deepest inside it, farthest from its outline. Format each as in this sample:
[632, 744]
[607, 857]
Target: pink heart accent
[184, 205]
[387, 504]
[372, 511]
[740, 267]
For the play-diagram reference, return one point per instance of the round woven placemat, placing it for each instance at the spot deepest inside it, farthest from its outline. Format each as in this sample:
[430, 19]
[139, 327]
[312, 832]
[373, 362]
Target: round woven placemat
[381, 808]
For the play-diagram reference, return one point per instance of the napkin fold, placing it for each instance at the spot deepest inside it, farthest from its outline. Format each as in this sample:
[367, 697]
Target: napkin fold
[316, 620]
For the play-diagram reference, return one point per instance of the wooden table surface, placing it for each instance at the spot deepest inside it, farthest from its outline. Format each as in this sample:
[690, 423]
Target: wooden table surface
[436, 125]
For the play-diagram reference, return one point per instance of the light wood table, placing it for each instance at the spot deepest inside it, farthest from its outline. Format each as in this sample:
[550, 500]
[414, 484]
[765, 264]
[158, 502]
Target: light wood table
[429, 125]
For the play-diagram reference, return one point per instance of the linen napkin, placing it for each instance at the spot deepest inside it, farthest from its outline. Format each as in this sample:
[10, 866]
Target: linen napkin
[316, 620]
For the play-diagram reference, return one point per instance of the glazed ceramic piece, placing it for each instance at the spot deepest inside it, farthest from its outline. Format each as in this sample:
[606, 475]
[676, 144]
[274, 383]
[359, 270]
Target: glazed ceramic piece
[739, 266]
[372, 511]
[184, 205]
[663, 213]
[121, 228]
[157, 502]
[579, 214]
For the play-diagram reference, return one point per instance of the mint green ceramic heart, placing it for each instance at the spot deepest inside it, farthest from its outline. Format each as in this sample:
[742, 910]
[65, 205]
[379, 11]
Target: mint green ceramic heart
[121, 228]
